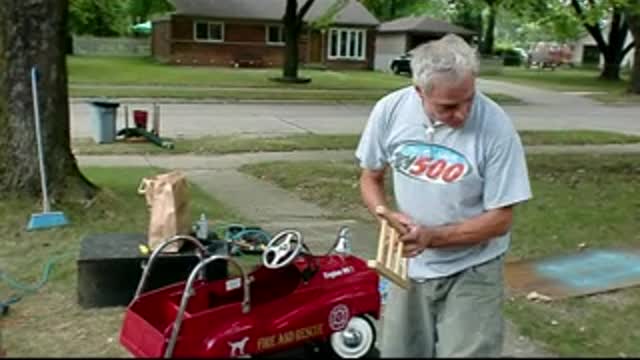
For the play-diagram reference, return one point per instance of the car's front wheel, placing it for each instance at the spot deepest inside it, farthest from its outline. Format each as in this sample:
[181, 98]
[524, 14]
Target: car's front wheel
[357, 340]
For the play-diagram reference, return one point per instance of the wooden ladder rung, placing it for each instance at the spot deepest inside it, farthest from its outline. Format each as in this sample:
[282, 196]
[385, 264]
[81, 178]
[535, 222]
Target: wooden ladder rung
[389, 261]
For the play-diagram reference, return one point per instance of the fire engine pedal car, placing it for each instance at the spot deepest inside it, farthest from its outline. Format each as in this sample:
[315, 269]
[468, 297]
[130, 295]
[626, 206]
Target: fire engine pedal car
[292, 300]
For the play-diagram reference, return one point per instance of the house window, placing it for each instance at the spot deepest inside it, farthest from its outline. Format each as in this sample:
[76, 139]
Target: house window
[275, 34]
[208, 31]
[347, 44]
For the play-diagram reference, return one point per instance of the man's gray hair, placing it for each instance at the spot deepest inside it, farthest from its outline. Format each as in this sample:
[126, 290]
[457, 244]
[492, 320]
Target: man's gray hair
[450, 56]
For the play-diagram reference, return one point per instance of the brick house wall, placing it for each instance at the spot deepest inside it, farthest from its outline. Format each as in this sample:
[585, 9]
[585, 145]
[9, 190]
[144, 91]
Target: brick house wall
[244, 45]
[160, 44]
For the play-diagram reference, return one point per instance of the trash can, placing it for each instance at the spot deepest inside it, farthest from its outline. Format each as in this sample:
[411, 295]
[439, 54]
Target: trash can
[104, 121]
[140, 119]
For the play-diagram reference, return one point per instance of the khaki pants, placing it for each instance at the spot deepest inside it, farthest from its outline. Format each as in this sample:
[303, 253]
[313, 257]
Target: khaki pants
[454, 316]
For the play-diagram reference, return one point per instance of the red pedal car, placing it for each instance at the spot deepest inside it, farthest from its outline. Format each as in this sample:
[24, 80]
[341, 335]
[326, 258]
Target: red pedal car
[294, 298]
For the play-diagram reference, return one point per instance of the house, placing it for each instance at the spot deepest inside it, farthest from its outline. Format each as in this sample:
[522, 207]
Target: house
[250, 33]
[585, 51]
[397, 37]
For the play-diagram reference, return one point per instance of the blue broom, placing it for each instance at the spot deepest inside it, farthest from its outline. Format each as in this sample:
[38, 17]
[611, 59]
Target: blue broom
[47, 218]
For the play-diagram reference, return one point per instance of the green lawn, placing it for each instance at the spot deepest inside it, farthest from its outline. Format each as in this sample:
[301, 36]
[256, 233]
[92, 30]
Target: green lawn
[237, 94]
[592, 199]
[88, 76]
[238, 144]
[146, 71]
[562, 79]
[143, 77]
[50, 323]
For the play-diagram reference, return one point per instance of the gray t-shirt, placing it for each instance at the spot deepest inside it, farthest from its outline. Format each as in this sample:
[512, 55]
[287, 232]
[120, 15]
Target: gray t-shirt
[443, 175]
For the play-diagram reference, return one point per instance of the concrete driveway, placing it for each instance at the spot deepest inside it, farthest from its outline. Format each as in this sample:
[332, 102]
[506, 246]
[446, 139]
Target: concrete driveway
[544, 110]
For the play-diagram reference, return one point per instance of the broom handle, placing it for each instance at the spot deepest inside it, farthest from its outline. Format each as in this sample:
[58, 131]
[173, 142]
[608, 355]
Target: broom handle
[36, 114]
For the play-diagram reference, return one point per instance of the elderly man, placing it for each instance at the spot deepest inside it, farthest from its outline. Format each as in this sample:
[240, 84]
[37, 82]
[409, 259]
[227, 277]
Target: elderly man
[458, 170]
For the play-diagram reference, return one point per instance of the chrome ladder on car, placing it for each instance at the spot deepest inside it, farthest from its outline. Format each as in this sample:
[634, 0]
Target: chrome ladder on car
[198, 272]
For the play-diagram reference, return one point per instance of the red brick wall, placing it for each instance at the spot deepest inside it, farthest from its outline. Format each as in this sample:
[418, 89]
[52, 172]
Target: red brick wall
[221, 54]
[160, 45]
[244, 32]
[244, 44]
[181, 28]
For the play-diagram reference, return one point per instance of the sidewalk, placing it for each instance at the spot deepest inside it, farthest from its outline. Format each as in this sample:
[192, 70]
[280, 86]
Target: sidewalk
[275, 209]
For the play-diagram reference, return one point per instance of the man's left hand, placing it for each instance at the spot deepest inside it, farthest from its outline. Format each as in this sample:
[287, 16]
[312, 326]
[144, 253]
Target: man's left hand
[417, 239]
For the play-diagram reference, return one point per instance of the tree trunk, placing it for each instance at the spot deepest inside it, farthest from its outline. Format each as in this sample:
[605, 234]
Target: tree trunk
[292, 31]
[488, 38]
[634, 25]
[32, 33]
[293, 20]
[613, 52]
[610, 70]
[634, 86]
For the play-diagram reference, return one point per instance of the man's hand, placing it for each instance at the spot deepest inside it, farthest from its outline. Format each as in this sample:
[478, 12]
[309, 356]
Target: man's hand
[396, 220]
[417, 239]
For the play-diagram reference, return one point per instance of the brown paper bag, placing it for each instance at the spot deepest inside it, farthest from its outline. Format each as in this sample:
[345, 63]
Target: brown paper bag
[167, 197]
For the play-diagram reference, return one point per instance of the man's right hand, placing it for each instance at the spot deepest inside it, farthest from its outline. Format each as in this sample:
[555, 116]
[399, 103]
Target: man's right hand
[397, 220]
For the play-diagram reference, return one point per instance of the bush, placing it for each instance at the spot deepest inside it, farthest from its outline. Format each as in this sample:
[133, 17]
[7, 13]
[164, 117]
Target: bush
[510, 56]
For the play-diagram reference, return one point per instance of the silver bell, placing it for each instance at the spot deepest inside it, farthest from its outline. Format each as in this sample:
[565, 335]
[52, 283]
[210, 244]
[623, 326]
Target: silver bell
[344, 241]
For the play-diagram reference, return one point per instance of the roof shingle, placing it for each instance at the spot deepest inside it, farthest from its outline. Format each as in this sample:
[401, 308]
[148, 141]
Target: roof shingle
[354, 13]
[422, 24]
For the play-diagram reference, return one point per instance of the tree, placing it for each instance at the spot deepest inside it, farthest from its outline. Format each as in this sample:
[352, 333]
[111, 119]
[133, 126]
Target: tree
[633, 14]
[468, 14]
[293, 21]
[98, 17]
[141, 10]
[613, 50]
[486, 46]
[32, 33]
[386, 10]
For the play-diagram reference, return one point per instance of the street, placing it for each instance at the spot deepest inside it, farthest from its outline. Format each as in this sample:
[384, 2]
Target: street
[543, 110]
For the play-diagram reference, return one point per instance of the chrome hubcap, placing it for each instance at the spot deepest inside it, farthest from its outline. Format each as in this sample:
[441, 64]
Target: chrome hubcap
[351, 337]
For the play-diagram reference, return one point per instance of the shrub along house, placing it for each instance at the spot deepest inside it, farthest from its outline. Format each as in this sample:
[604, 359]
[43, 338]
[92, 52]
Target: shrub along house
[250, 33]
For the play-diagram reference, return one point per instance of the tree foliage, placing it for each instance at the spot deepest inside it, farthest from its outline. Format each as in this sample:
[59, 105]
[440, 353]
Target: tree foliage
[386, 10]
[111, 17]
[466, 13]
[596, 16]
[142, 10]
[98, 17]
[541, 20]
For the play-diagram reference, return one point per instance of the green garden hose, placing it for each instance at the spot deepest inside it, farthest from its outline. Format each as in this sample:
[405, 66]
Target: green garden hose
[26, 289]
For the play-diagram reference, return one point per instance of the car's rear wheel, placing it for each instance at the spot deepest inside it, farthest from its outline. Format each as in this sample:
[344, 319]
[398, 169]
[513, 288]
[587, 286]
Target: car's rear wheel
[395, 69]
[357, 340]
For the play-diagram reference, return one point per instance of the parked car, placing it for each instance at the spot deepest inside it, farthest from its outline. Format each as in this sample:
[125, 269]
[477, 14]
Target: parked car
[293, 299]
[401, 64]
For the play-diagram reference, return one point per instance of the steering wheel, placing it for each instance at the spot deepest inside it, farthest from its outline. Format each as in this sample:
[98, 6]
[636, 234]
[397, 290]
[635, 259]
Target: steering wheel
[282, 249]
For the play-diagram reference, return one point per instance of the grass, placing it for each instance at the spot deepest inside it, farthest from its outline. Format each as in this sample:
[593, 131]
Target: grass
[139, 71]
[124, 77]
[571, 80]
[577, 198]
[617, 97]
[575, 137]
[350, 96]
[238, 144]
[256, 94]
[50, 323]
